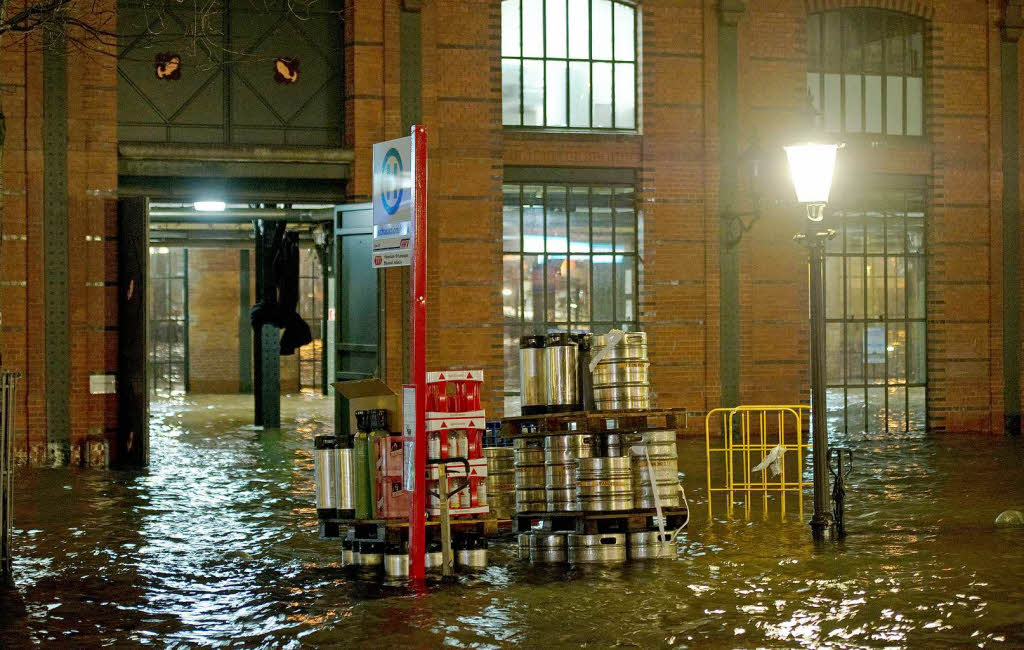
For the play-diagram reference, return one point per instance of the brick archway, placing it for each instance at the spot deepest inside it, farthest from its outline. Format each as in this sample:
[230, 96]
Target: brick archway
[912, 7]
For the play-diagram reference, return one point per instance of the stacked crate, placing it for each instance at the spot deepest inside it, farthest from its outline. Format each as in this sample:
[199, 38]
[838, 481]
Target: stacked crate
[455, 429]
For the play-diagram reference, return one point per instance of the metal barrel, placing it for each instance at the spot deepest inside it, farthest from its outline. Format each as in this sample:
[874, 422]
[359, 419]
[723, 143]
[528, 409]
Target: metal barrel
[528, 451]
[371, 554]
[631, 347]
[621, 378]
[501, 484]
[651, 544]
[560, 367]
[327, 476]
[471, 552]
[531, 500]
[560, 456]
[604, 484]
[347, 556]
[524, 545]
[549, 548]
[433, 558]
[396, 561]
[532, 382]
[663, 464]
[622, 372]
[600, 548]
[567, 449]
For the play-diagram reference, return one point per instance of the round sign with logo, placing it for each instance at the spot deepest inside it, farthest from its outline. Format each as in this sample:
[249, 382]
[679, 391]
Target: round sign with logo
[391, 188]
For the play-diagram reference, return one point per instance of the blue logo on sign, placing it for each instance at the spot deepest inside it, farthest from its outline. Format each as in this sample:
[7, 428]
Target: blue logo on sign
[391, 191]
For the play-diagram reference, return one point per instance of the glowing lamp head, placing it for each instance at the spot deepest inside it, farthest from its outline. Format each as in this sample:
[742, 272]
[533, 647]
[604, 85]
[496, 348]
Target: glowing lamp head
[209, 206]
[811, 166]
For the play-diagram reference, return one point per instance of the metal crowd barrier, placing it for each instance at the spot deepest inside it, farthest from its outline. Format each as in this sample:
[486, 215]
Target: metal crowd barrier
[749, 435]
[8, 384]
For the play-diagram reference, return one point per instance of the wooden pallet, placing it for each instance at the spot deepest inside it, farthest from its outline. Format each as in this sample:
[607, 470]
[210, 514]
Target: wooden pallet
[625, 521]
[393, 530]
[582, 422]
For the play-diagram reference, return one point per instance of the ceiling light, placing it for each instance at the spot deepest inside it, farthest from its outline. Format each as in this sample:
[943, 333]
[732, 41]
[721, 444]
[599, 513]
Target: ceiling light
[209, 206]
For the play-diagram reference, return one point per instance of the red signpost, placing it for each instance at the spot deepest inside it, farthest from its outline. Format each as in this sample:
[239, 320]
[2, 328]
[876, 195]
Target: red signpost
[418, 327]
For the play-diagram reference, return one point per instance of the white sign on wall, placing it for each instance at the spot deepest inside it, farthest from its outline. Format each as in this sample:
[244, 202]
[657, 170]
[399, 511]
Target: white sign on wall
[392, 202]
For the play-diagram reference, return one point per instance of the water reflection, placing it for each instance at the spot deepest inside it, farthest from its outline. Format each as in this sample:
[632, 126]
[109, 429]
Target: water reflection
[216, 543]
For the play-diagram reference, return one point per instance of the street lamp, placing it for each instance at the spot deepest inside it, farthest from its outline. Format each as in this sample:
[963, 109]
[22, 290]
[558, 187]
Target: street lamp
[812, 166]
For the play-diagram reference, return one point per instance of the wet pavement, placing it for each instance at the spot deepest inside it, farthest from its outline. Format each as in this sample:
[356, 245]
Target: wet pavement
[215, 544]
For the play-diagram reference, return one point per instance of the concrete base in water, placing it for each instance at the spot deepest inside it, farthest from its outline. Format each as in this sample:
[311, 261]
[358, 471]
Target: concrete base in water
[217, 542]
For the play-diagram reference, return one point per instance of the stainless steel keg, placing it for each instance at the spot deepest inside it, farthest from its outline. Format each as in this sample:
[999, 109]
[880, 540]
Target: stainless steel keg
[651, 544]
[528, 451]
[567, 449]
[549, 548]
[471, 553]
[604, 484]
[371, 554]
[531, 500]
[433, 558]
[396, 562]
[621, 377]
[663, 465]
[600, 548]
[501, 486]
[529, 477]
[347, 557]
[524, 545]
[327, 476]
[560, 366]
[560, 456]
[532, 378]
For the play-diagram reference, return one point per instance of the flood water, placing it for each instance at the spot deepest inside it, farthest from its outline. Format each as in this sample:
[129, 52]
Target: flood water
[216, 544]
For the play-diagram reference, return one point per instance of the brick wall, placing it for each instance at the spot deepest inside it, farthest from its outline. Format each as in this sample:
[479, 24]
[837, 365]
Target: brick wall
[91, 238]
[213, 295]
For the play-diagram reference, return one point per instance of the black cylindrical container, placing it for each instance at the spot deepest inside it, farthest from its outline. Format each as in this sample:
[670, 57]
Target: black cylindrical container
[372, 420]
[560, 365]
[531, 375]
[584, 378]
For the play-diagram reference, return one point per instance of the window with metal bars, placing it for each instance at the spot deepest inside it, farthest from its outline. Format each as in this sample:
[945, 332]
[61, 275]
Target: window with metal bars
[571, 263]
[569, 64]
[311, 306]
[865, 71]
[875, 315]
[168, 321]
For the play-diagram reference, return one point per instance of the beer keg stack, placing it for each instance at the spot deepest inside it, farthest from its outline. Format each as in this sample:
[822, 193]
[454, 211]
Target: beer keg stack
[596, 468]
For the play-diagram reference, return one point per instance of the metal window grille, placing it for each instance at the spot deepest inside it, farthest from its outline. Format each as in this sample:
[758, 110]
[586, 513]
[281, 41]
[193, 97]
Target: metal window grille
[865, 71]
[311, 305]
[571, 262]
[168, 321]
[875, 312]
[569, 64]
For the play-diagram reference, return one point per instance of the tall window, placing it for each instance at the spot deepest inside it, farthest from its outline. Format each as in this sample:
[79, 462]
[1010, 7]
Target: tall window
[570, 263]
[168, 321]
[568, 63]
[311, 308]
[866, 71]
[875, 314]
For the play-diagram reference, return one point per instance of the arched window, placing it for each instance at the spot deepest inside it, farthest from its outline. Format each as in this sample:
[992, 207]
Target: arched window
[568, 64]
[866, 71]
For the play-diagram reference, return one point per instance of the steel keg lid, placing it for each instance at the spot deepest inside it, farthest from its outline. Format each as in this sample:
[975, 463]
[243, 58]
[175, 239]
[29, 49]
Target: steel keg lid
[531, 341]
[433, 546]
[560, 338]
[397, 548]
[371, 547]
[326, 442]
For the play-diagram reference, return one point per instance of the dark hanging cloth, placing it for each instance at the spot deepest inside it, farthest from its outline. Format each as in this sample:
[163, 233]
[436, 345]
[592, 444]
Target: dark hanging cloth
[282, 310]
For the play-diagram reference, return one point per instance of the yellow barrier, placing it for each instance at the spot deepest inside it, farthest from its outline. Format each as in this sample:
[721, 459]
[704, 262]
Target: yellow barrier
[761, 429]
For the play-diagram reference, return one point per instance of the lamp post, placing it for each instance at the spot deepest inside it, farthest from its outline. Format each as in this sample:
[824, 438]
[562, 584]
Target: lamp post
[812, 166]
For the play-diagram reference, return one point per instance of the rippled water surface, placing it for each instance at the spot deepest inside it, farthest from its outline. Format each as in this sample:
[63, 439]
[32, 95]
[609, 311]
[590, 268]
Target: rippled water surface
[216, 544]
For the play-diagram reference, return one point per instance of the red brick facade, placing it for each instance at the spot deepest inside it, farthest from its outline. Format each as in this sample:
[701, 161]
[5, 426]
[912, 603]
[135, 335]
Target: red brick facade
[674, 154]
